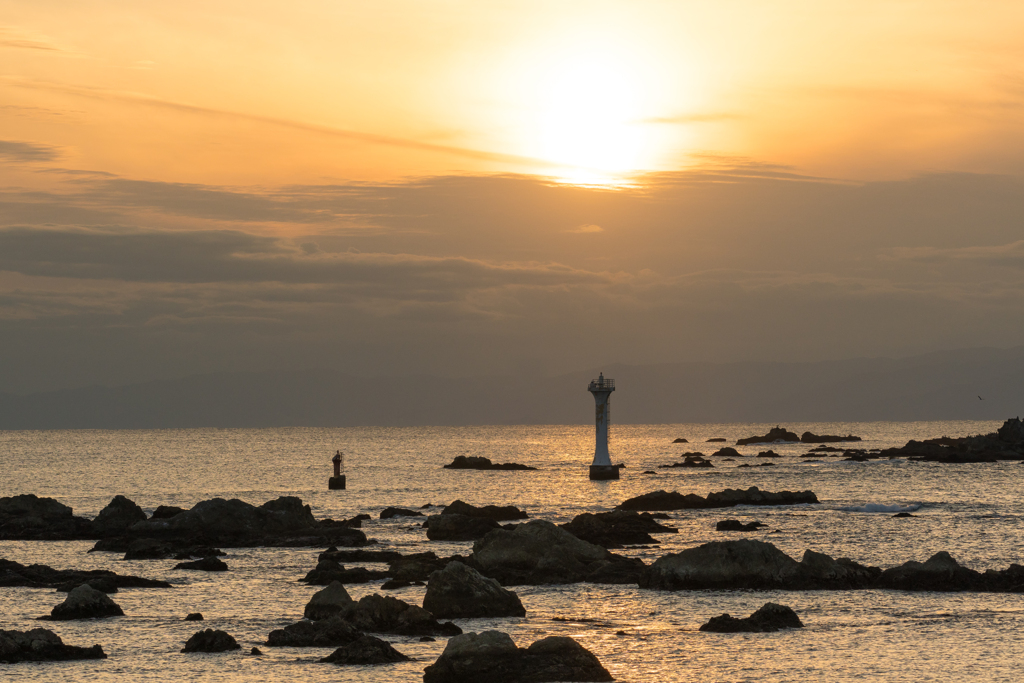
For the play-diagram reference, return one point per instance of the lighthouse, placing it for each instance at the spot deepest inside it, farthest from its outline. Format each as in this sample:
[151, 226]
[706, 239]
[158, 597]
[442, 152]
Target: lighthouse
[602, 468]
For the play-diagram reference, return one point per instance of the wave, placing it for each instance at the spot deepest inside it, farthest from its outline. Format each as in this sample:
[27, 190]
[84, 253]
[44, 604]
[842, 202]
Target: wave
[878, 507]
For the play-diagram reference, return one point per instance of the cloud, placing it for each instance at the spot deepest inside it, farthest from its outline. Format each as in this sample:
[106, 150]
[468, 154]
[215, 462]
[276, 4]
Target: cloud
[586, 229]
[31, 152]
[18, 38]
[1008, 255]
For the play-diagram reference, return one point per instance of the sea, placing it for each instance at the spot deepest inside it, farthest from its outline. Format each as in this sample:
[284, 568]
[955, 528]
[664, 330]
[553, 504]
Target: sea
[973, 511]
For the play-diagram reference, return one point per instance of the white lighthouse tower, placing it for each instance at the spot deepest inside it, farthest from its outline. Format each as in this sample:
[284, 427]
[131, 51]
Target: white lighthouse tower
[602, 468]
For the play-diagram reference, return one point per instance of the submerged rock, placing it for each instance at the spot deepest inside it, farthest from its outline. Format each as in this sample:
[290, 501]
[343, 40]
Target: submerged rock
[774, 434]
[616, 528]
[194, 616]
[42, 645]
[327, 602]
[211, 640]
[770, 617]
[663, 500]
[492, 656]
[690, 460]
[365, 650]
[461, 592]
[462, 462]
[207, 564]
[85, 602]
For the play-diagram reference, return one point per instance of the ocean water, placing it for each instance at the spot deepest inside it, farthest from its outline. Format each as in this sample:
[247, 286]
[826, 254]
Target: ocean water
[976, 512]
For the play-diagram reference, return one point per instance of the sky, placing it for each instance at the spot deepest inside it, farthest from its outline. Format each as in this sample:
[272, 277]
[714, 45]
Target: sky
[463, 188]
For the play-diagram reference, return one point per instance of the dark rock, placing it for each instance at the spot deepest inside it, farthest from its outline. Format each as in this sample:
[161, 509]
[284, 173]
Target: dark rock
[28, 517]
[388, 513]
[495, 512]
[85, 602]
[1007, 443]
[737, 525]
[255, 652]
[463, 462]
[760, 464]
[716, 439]
[680, 440]
[768, 454]
[690, 460]
[365, 650]
[166, 512]
[327, 602]
[940, 573]
[386, 614]
[359, 555]
[393, 584]
[194, 616]
[119, 515]
[328, 571]
[104, 584]
[211, 640]
[200, 551]
[770, 617]
[492, 656]
[42, 645]
[453, 527]
[461, 592]
[149, 549]
[810, 437]
[331, 632]
[662, 500]
[616, 528]
[727, 452]
[774, 434]
[416, 567]
[40, 576]
[648, 472]
[207, 564]
[902, 515]
[538, 552]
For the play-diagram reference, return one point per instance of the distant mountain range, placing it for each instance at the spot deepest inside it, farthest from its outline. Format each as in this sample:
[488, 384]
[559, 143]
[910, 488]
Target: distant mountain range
[936, 386]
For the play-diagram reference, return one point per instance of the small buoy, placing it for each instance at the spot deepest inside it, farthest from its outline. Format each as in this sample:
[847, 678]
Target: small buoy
[337, 482]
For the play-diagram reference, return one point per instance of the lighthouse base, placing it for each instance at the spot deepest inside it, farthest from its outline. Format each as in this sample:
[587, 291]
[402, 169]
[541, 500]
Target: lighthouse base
[603, 472]
[335, 483]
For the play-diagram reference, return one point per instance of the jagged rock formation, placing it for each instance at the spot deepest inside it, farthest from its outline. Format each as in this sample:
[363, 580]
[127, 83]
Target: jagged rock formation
[663, 500]
[42, 645]
[461, 592]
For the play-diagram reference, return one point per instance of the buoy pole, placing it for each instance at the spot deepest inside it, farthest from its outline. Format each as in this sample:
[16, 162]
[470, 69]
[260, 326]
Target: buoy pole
[602, 467]
[338, 480]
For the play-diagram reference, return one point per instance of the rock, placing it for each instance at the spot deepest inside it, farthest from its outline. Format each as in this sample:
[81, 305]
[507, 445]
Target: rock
[359, 555]
[207, 564]
[716, 439]
[194, 616]
[388, 513]
[327, 602]
[28, 517]
[328, 571]
[940, 573]
[417, 567]
[331, 632]
[119, 515]
[770, 617]
[810, 437]
[727, 452]
[462, 462]
[393, 584]
[538, 552]
[149, 549]
[616, 528]
[680, 440]
[85, 602]
[768, 454]
[902, 515]
[166, 512]
[460, 592]
[42, 645]
[104, 584]
[774, 434]
[494, 512]
[760, 464]
[41, 576]
[365, 650]
[662, 500]
[737, 525]
[255, 652]
[492, 656]
[386, 614]
[1007, 443]
[211, 640]
[690, 460]
[451, 527]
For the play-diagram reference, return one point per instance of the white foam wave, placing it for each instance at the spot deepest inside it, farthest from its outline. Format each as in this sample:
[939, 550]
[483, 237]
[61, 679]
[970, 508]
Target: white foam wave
[878, 507]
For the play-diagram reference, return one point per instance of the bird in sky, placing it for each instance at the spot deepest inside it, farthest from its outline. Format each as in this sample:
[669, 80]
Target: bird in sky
[980, 398]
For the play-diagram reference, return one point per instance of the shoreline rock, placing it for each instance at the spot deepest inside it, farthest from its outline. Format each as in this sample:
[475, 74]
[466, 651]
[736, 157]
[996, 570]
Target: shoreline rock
[14, 574]
[42, 645]
[769, 618]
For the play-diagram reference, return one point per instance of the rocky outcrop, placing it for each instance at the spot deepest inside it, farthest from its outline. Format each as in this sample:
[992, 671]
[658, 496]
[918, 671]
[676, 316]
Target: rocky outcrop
[749, 564]
[680, 440]
[28, 517]
[365, 650]
[328, 571]
[616, 528]
[943, 573]
[663, 500]
[538, 552]
[194, 616]
[388, 513]
[451, 527]
[1007, 443]
[811, 437]
[495, 512]
[385, 614]
[461, 592]
[166, 512]
[737, 525]
[770, 617]
[418, 567]
[85, 602]
[41, 576]
[119, 515]
[328, 602]
[206, 564]
[690, 460]
[42, 645]
[332, 632]
[492, 656]
[775, 434]
[211, 640]
[462, 462]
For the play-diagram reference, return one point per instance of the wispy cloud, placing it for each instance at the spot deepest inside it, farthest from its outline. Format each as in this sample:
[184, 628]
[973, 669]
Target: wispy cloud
[14, 150]
[18, 38]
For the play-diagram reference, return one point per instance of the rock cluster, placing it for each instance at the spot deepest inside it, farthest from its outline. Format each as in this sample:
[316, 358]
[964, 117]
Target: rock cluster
[770, 617]
[1007, 443]
[774, 434]
[492, 656]
[328, 571]
[462, 462]
[690, 460]
[810, 437]
[29, 517]
[450, 527]
[42, 645]
[617, 528]
[663, 500]
[495, 512]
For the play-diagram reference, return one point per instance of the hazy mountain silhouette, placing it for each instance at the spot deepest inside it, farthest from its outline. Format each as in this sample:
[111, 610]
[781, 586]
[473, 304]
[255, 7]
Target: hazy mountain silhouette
[936, 386]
